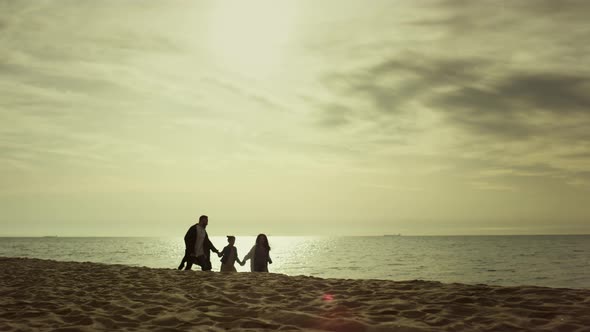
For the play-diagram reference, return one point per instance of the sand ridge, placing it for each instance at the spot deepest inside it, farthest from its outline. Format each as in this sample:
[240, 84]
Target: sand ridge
[70, 296]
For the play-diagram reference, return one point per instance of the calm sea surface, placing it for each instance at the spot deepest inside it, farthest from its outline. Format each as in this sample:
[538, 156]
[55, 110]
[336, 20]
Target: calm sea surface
[554, 261]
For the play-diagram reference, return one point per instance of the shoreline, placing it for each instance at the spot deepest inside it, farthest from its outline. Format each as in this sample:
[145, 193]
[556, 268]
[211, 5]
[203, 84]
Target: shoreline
[46, 294]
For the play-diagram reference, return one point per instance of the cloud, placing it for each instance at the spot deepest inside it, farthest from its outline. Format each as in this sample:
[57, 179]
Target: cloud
[514, 107]
[505, 82]
[552, 92]
[334, 115]
[462, 90]
[392, 83]
[100, 85]
[398, 93]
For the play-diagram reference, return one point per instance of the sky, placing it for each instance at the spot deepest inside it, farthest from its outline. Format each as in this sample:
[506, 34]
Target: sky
[431, 117]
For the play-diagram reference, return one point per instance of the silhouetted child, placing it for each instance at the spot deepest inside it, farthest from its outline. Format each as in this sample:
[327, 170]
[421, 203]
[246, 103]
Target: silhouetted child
[229, 255]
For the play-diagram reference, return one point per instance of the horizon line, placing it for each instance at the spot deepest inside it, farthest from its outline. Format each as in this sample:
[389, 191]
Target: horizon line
[290, 235]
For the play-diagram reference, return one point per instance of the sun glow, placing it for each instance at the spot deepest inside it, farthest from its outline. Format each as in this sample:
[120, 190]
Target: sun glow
[251, 37]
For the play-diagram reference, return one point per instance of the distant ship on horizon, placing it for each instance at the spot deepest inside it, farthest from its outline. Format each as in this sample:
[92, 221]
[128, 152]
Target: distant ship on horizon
[398, 234]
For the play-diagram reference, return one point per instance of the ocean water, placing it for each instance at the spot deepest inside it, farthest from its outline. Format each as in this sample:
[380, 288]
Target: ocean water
[552, 261]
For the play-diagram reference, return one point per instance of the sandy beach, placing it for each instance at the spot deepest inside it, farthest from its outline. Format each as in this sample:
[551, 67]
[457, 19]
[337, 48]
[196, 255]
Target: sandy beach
[69, 296]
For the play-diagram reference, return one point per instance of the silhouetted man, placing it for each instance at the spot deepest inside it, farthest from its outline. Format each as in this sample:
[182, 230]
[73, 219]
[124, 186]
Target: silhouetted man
[197, 246]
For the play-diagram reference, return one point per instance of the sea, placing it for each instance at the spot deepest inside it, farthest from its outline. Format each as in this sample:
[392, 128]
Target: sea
[548, 260]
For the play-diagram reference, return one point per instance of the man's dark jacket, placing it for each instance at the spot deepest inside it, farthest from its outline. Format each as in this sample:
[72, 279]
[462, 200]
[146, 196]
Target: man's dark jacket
[190, 239]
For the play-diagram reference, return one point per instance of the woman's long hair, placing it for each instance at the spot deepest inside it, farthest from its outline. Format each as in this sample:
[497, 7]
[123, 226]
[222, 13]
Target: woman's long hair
[262, 240]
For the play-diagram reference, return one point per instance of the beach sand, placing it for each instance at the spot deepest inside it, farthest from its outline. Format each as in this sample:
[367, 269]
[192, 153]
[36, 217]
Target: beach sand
[69, 296]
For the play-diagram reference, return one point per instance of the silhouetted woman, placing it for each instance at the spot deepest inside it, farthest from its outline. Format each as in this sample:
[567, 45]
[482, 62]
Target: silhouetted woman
[259, 255]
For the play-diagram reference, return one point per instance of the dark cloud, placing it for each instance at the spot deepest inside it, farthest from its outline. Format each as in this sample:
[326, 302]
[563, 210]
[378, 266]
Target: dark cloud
[536, 169]
[393, 83]
[577, 155]
[566, 9]
[509, 27]
[510, 79]
[535, 6]
[548, 91]
[510, 107]
[334, 115]
[461, 89]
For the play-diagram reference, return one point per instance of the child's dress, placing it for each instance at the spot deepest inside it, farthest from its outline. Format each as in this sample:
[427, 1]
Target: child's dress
[229, 257]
